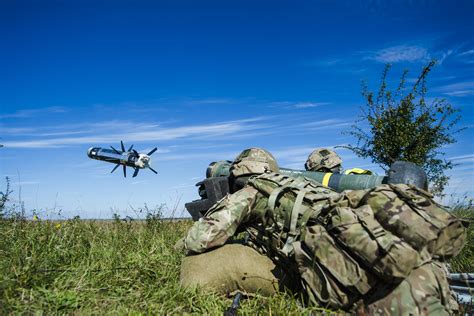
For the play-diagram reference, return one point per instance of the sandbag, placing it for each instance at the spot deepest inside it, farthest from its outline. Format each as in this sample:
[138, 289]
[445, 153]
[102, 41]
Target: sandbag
[231, 268]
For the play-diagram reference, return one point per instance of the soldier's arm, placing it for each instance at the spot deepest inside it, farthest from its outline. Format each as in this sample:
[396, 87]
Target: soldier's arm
[221, 221]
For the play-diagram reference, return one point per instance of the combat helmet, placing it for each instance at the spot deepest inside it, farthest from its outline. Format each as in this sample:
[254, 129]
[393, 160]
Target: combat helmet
[253, 161]
[323, 160]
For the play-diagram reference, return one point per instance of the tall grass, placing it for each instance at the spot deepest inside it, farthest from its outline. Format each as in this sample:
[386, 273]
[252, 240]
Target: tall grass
[98, 267]
[121, 266]
[464, 262]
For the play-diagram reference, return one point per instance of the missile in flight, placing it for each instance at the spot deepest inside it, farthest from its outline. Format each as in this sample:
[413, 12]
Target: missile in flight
[126, 158]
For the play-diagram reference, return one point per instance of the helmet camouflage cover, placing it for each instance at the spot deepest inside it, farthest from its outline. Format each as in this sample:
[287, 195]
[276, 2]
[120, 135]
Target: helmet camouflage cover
[253, 161]
[324, 160]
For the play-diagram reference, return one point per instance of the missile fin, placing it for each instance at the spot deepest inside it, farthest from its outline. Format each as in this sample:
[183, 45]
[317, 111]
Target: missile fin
[116, 151]
[135, 172]
[152, 151]
[115, 168]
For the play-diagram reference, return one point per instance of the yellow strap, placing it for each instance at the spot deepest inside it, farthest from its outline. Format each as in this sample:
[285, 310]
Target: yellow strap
[357, 171]
[326, 178]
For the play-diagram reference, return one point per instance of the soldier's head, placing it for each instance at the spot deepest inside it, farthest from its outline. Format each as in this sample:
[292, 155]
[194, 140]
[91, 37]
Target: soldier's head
[324, 160]
[253, 161]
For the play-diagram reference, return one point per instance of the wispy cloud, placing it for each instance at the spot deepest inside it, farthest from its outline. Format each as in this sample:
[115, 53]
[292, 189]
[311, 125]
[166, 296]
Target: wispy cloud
[297, 105]
[401, 53]
[15, 130]
[33, 112]
[467, 53]
[442, 57]
[304, 105]
[325, 124]
[147, 133]
[393, 54]
[463, 159]
[460, 89]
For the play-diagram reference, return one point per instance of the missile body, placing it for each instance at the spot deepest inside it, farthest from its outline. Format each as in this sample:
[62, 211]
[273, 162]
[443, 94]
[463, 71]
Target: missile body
[126, 158]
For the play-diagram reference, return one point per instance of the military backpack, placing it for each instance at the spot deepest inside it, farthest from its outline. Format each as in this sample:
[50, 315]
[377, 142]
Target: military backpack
[348, 246]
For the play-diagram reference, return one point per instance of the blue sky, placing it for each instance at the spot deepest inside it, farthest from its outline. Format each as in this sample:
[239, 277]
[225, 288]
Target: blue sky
[202, 80]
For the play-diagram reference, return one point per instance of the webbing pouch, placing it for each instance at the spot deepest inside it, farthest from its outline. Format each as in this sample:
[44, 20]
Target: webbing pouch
[411, 214]
[367, 241]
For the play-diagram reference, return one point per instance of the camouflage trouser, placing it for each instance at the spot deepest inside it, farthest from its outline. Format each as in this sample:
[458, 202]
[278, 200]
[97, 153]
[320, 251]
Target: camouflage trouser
[425, 292]
[235, 267]
[232, 268]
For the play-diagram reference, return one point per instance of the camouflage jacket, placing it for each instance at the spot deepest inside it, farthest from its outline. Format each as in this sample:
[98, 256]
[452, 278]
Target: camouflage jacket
[248, 209]
[224, 218]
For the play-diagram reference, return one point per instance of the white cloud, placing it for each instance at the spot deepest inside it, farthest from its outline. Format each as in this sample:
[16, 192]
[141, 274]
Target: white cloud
[304, 105]
[146, 133]
[444, 55]
[297, 105]
[401, 53]
[460, 89]
[462, 159]
[326, 124]
[33, 112]
[15, 130]
[460, 93]
[469, 52]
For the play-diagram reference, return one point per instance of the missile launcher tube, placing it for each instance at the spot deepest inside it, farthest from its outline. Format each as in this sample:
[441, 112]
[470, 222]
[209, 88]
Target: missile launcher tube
[217, 183]
[338, 182]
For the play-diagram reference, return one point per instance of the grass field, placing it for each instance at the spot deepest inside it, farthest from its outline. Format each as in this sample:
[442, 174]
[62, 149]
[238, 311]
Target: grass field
[96, 267]
[101, 267]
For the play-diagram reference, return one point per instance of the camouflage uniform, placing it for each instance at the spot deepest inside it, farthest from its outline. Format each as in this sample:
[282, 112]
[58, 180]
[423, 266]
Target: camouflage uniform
[329, 277]
[327, 160]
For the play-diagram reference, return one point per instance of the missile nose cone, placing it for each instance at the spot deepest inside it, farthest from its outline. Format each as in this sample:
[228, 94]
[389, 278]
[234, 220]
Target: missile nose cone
[89, 152]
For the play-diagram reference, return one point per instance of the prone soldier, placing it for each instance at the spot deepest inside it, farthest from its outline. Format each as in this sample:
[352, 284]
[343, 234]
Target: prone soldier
[377, 250]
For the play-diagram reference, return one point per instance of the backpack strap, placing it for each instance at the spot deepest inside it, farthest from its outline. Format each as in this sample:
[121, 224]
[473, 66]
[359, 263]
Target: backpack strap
[295, 212]
[375, 230]
[285, 186]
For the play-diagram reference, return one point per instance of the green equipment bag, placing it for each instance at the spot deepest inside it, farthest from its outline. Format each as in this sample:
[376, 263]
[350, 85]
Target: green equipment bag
[348, 245]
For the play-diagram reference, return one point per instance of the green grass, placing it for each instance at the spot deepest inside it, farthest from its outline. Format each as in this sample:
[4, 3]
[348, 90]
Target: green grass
[464, 262]
[96, 267]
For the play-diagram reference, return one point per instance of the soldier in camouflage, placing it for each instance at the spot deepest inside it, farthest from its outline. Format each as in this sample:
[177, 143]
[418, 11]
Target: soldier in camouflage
[323, 160]
[327, 160]
[354, 251]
